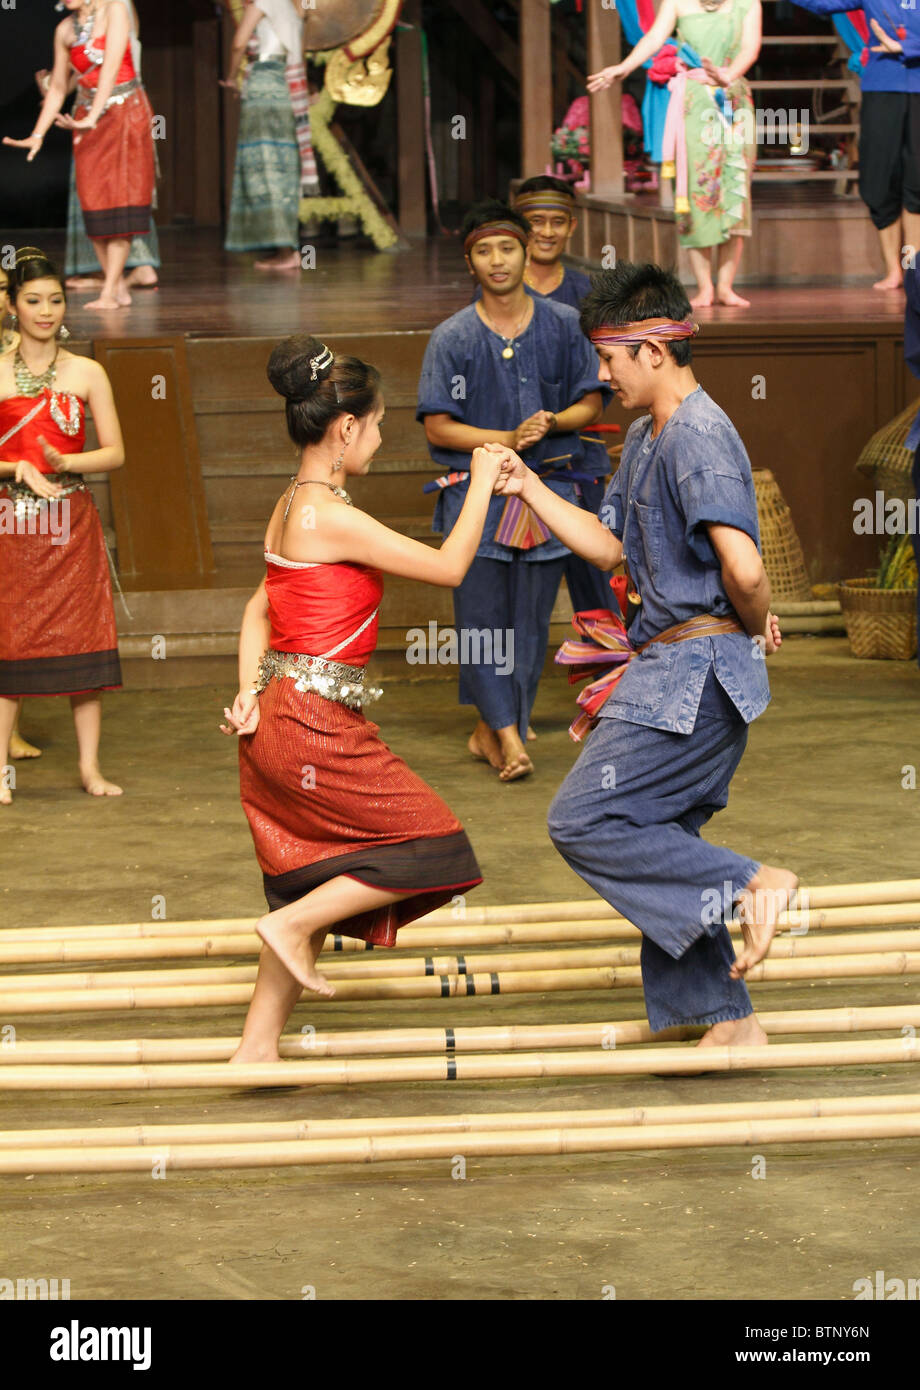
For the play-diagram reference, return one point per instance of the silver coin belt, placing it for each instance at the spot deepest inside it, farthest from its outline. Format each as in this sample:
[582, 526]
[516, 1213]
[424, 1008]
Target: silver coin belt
[27, 504]
[334, 680]
[119, 96]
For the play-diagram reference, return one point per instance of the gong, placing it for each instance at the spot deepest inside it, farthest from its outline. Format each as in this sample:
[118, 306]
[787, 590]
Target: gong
[335, 23]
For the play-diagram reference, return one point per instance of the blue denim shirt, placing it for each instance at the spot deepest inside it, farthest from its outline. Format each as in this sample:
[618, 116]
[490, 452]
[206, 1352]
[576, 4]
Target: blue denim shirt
[658, 503]
[883, 72]
[571, 290]
[465, 376]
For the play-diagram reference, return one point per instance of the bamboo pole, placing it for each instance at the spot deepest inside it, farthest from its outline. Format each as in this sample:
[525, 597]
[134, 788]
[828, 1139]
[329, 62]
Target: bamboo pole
[500, 1066]
[567, 958]
[271, 1131]
[64, 1000]
[137, 941]
[406, 1041]
[496, 1143]
[874, 894]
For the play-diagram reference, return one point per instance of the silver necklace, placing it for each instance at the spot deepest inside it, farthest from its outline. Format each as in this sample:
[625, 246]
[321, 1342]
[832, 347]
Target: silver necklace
[339, 492]
[83, 28]
[507, 350]
[711, 5]
[27, 383]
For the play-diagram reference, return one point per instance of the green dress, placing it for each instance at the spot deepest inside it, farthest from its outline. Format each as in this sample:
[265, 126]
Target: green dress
[718, 169]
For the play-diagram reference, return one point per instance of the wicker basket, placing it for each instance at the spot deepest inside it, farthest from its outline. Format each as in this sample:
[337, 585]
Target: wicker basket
[780, 546]
[880, 623]
[885, 461]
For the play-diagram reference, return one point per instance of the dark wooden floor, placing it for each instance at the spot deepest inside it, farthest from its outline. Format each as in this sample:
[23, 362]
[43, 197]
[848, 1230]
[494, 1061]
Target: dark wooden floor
[205, 292]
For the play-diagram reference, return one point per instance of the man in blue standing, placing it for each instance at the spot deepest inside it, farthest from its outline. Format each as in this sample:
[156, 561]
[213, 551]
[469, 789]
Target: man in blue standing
[512, 368]
[682, 514]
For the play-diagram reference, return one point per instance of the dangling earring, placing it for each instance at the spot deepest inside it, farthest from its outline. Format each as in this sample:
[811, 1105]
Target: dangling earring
[338, 463]
[14, 321]
[63, 333]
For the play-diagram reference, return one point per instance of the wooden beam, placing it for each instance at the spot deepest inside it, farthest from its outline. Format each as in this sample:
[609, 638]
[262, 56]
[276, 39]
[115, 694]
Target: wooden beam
[606, 123]
[536, 86]
[410, 101]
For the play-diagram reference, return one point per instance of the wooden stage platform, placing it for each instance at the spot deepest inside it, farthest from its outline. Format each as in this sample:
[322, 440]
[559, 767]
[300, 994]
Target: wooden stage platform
[808, 374]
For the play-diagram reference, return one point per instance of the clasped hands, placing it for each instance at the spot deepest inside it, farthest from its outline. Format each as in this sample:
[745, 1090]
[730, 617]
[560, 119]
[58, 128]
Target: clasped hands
[501, 466]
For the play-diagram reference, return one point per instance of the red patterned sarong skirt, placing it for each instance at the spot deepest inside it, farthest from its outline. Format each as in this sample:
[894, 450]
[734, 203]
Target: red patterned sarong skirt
[325, 796]
[57, 623]
[114, 168]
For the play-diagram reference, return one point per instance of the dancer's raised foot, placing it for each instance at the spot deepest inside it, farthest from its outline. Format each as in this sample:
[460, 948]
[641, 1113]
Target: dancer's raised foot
[291, 944]
[20, 748]
[735, 1032]
[770, 892]
[703, 299]
[726, 295]
[484, 746]
[143, 277]
[894, 280]
[94, 783]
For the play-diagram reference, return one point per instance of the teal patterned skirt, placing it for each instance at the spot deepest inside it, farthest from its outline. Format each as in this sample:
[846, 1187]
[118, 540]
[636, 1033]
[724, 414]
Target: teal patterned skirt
[81, 259]
[266, 177]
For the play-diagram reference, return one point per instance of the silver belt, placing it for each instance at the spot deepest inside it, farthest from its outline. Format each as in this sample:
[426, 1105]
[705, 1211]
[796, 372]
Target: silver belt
[334, 680]
[27, 503]
[119, 94]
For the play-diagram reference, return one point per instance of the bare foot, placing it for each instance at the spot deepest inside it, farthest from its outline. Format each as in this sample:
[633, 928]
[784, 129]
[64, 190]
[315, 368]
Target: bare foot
[770, 892]
[106, 302]
[726, 295]
[483, 744]
[84, 282]
[735, 1032]
[531, 736]
[94, 783]
[894, 280]
[291, 945]
[144, 277]
[515, 758]
[703, 299]
[6, 796]
[19, 748]
[289, 262]
[250, 1053]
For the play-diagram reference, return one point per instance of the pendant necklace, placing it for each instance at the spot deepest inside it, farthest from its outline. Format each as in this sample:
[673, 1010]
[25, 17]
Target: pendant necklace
[507, 350]
[339, 491]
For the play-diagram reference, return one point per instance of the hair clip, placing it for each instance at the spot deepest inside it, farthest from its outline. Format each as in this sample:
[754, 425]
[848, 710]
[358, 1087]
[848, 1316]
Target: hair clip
[319, 363]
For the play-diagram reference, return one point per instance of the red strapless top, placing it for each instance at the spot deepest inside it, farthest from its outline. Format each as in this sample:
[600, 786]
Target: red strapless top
[313, 608]
[57, 416]
[89, 71]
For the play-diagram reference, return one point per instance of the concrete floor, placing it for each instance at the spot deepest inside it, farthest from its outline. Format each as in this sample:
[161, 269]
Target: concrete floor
[820, 789]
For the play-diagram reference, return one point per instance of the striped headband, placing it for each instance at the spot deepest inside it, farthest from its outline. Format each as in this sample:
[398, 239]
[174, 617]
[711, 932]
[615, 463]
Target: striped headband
[546, 200]
[494, 229]
[664, 329]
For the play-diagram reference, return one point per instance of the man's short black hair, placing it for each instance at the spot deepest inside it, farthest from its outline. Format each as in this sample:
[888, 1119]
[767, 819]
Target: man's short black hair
[543, 183]
[491, 210]
[632, 292]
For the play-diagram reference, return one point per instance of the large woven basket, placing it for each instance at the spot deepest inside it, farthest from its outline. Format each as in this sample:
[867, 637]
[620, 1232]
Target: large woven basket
[880, 623]
[885, 461]
[780, 546]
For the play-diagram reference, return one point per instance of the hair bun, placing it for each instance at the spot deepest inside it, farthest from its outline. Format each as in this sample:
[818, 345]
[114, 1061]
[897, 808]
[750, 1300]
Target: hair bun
[29, 253]
[298, 366]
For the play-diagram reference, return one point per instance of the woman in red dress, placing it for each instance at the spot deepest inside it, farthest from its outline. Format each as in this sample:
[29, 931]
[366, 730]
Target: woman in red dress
[112, 126]
[345, 833]
[57, 625]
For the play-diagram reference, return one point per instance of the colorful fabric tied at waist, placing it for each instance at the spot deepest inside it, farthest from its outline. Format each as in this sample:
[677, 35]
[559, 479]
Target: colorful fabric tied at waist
[674, 142]
[334, 680]
[518, 526]
[605, 643]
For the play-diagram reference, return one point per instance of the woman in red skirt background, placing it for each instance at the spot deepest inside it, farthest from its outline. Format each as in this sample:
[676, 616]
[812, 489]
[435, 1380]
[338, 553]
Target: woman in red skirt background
[112, 128]
[345, 833]
[57, 624]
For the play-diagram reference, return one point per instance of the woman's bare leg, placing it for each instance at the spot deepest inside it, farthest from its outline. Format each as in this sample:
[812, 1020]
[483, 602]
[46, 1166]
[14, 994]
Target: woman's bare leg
[702, 270]
[729, 260]
[112, 253]
[87, 720]
[8, 710]
[294, 935]
[20, 747]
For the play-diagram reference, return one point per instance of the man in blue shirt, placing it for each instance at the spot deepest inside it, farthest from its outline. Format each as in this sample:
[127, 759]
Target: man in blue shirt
[514, 369]
[889, 125]
[682, 514]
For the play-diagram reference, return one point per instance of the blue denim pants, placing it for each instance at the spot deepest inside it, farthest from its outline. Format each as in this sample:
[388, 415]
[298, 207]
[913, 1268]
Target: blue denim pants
[627, 819]
[915, 540]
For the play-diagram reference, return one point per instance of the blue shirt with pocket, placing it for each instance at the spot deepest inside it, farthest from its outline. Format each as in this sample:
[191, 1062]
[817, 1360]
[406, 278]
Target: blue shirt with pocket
[464, 375]
[658, 504]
